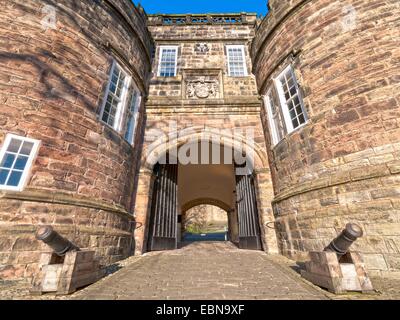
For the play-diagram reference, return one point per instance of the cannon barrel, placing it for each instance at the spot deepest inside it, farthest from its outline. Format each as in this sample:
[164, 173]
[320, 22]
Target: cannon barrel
[53, 239]
[342, 243]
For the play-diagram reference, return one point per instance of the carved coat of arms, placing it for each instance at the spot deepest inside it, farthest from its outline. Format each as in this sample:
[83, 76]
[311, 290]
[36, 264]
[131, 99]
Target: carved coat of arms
[202, 88]
[202, 48]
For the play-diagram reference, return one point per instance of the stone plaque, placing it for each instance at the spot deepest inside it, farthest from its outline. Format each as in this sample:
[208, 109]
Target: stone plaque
[202, 84]
[202, 89]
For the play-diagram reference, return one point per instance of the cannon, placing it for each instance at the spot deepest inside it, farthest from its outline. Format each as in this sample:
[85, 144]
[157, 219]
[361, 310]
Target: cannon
[338, 269]
[343, 242]
[54, 240]
[65, 269]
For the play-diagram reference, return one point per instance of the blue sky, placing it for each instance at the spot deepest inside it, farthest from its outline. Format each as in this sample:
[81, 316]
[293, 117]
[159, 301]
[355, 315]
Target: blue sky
[203, 6]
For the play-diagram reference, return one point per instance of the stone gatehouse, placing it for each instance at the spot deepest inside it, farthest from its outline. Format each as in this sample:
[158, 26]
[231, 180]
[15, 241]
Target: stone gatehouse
[291, 123]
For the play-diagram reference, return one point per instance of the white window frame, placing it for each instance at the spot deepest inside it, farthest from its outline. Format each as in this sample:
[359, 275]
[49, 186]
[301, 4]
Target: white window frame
[272, 126]
[283, 101]
[242, 49]
[162, 48]
[27, 170]
[124, 95]
[135, 114]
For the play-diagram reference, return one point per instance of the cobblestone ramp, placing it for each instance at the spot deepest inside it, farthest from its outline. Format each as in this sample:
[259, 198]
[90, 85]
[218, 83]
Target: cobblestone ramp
[207, 271]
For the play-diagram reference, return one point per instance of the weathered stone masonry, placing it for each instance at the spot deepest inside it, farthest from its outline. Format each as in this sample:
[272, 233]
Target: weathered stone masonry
[52, 85]
[343, 165]
[92, 185]
[236, 106]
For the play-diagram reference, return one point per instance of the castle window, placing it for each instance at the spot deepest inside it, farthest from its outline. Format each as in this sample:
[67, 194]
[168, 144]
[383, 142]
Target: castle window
[132, 117]
[291, 101]
[168, 61]
[16, 158]
[236, 61]
[274, 118]
[115, 97]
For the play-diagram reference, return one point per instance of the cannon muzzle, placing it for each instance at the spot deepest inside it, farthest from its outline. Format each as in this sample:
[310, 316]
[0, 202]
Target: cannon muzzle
[53, 239]
[343, 242]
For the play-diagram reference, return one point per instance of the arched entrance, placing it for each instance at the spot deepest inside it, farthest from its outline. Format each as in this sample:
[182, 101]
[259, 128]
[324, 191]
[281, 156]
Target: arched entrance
[204, 222]
[203, 171]
[171, 187]
[232, 230]
[166, 211]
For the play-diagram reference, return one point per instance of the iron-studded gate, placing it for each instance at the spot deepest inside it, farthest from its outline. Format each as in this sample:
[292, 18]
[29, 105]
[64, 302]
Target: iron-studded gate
[164, 211]
[249, 228]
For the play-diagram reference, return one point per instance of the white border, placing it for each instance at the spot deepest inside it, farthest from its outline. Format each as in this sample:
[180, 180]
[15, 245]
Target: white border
[32, 157]
[241, 47]
[162, 48]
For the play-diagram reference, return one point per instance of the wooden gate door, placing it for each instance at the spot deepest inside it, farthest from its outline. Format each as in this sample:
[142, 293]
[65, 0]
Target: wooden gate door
[164, 211]
[249, 228]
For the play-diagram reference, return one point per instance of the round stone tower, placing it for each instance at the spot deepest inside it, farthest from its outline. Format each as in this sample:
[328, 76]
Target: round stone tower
[70, 137]
[339, 160]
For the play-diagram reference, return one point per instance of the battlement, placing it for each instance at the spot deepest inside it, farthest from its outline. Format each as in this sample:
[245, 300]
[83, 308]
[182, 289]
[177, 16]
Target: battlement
[202, 19]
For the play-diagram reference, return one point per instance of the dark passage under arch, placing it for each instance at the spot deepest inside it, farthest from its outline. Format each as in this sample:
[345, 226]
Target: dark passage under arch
[163, 229]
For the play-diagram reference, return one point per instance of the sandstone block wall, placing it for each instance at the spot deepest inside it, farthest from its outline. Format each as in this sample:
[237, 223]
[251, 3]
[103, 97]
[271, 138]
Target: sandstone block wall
[198, 118]
[53, 81]
[343, 165]
[236, 107]
[216, 37]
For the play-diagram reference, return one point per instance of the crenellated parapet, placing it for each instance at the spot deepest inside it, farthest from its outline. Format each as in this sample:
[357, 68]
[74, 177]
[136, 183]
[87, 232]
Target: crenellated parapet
[202, 19]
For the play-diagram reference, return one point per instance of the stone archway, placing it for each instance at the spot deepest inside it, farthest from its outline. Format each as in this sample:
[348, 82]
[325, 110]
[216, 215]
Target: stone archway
[209, 201]
[232, 223]
[260, 172]
[153, 152]
[205, 221]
